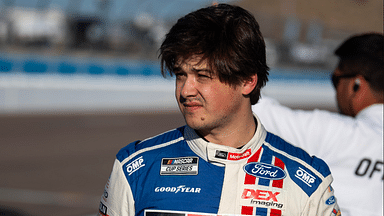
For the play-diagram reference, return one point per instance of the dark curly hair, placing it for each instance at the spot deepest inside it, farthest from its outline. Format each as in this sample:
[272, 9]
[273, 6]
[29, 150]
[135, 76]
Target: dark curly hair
[227, 37]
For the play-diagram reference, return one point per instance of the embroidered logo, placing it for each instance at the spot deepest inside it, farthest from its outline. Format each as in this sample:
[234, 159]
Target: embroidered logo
[331, 200]
[180, 166]
[231, 155]
[135, 165]
[263, 170]
[305, 177]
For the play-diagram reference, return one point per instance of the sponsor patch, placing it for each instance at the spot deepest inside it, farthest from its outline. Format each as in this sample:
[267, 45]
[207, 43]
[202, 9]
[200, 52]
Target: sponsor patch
[263, 170]
[336, 212]
[262, 198]
[178, 189]
[305, 177]
[180, 166]
[221, 154]
[330, 201]
[152, 212]
[102, 209]
[105, 194]
[232, 156]
[135, 165]
[239, 156]
[148, 212]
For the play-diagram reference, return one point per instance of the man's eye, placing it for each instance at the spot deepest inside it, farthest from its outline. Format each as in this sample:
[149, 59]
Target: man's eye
[179, 75]
[205, 76]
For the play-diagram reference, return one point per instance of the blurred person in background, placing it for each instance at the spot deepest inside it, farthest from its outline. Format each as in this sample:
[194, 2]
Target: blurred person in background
[223, 161]
[350, 142]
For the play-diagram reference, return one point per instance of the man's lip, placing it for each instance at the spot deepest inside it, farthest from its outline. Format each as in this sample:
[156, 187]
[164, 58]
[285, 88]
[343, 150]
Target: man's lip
[191, 104]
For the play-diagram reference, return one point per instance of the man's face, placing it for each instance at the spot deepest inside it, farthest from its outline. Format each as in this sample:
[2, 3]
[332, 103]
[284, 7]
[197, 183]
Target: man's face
[205, 102]
[343, 93]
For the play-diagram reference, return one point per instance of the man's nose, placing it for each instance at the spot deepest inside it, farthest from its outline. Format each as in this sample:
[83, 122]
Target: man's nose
[188, 89]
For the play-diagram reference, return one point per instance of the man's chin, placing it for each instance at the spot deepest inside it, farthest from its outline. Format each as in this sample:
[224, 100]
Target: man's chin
[196, 123]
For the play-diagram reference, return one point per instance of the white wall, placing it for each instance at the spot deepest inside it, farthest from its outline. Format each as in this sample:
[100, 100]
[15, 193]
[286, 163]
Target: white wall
[54, 93]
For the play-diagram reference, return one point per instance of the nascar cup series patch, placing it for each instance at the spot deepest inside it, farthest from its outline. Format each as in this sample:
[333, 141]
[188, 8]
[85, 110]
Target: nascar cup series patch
[180, 166]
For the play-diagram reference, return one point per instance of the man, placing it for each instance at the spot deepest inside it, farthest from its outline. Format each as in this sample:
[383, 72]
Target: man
[223, 161]
[351, 143]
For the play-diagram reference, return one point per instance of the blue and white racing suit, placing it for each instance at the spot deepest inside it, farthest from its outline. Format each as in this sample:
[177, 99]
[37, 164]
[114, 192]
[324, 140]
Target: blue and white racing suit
[180, 173]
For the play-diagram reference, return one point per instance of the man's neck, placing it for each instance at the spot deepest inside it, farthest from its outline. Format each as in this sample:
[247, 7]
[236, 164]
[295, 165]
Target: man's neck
[235, 135]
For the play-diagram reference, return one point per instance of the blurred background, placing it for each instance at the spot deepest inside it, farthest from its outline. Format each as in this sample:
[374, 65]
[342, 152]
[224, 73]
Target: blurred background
[79, 79]
[97, 55]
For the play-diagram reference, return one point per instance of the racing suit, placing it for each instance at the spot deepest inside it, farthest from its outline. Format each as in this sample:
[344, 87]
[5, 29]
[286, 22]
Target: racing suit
[352, 147]
[180, 173]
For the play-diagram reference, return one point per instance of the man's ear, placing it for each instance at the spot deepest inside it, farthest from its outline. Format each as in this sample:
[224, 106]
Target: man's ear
[249, 85]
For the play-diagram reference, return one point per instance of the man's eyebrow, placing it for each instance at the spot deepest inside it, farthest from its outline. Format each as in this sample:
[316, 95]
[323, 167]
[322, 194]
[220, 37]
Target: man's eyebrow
[176, 69]
[202, 70]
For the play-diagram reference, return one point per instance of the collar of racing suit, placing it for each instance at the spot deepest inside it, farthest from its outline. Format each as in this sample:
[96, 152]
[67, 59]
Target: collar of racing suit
[220, 154]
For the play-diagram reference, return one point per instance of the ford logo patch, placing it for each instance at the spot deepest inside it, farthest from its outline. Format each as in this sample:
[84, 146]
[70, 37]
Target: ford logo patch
[331, 200]
[263, 170]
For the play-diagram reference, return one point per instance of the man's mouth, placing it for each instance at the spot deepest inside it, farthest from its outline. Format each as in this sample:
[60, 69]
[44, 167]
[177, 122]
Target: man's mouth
[192, 104]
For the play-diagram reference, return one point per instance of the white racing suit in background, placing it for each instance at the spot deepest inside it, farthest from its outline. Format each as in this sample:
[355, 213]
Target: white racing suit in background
[352, 147]
[178, 173]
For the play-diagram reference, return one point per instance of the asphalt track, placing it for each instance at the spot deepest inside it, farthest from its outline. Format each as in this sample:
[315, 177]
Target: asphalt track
[57, 165]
